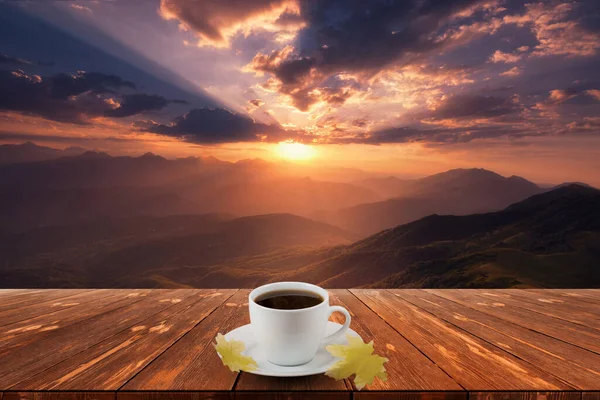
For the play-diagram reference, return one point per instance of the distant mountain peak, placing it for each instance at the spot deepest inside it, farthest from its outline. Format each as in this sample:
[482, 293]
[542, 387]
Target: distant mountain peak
[95, 154]
[151, 156]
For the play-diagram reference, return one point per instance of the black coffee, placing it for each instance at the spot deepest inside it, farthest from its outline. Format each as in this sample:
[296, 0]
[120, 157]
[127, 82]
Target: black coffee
[289, 299]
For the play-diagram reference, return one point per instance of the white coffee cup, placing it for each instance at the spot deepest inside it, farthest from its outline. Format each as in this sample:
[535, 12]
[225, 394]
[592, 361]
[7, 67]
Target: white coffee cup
[292, 337]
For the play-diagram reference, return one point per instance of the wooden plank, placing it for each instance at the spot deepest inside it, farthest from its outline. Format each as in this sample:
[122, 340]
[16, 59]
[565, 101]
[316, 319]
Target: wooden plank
[576, 366]
[21, 333]
[175, 396]
[111, 363]
[10, 292]
[36, 297]
[470, 361]
[410, 369]
[192, 363]
[58, 396]
[49, 307]
[569, 312]
[555, 301]
[525, 395]
[590, 396]
[562, 294]
[446, 395]
[293, 395]
[22, 362]
[579, 335]
[249, 382]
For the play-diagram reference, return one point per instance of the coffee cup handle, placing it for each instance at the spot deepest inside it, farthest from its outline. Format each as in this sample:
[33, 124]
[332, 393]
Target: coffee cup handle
[343, 329]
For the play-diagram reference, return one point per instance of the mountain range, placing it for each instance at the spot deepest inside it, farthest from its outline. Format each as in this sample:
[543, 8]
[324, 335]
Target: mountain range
[94, 220]
[29, 152]
[457, 192]
[548, 240]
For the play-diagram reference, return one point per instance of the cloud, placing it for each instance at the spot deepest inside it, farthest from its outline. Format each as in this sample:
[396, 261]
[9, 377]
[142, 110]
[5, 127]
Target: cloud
[79, 7]
[133, 104]
[254, 104]
[215, 22]
[74, 98]
[573, 95]
[514, 71]
[507, 58]
[588, 124]
[474, 107]
[60, 97]
[4, 59]
[561, 29]
[409, 134]
[211, 126]
[360, 38]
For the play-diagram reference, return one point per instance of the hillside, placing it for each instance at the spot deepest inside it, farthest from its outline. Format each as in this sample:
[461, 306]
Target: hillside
[75, 189]
[455, 192]
[149, 251]
[548, 240]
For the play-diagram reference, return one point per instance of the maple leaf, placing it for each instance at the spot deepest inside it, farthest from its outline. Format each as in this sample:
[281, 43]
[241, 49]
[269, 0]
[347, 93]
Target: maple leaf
[357, 359]
[231, 354]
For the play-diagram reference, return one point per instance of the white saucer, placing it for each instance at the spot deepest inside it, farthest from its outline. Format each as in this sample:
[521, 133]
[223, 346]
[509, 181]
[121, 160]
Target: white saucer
[321, 363]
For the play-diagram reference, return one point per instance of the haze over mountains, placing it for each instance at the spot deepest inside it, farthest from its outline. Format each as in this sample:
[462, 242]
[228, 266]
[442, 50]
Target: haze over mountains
[93, 220]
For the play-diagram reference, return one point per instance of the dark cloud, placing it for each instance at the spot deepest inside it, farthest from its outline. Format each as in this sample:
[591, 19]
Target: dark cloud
[73, 98]
[62, 86]
[66, 98]
[205, 125]
[354, 36]
[256, 103]
[4, 59]
[409, 134]
[474, 107]
[133, 104]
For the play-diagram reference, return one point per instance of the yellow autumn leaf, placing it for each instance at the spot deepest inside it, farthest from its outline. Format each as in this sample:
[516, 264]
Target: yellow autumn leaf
[231, 354]
[357, 359]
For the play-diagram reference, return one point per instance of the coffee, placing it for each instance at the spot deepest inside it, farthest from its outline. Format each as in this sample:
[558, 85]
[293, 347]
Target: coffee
[289, 299]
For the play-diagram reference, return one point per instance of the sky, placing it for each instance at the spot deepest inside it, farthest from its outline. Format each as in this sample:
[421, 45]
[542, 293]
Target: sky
[400, 87]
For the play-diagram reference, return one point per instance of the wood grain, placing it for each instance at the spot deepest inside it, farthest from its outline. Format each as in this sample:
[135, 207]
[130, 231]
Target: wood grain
[192, 363]
[293, 395]
[22, 362]
[576, 334]
[577, 295]
[576, 366]
[303, 383]
[21, 333]
[175, 396]
[142, 344]
[569, 312]
[111, 363]
[51, 307]
[464, 357]
[410, 395]
[34, 297]
[525, 395]
[409, 367]
[58, 396]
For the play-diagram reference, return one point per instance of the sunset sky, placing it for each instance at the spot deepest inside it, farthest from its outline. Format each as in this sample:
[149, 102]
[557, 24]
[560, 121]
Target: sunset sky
[401, 87]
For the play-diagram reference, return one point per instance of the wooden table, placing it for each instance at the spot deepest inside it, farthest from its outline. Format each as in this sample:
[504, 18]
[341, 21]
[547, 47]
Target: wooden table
[442, 344]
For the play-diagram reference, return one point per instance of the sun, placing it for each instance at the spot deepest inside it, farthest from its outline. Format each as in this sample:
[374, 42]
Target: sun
[295, 151]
